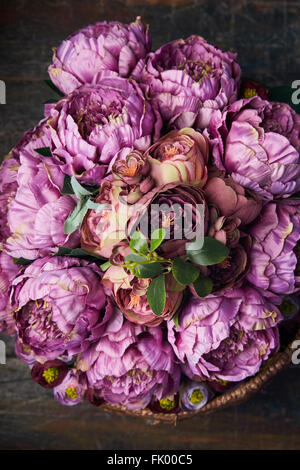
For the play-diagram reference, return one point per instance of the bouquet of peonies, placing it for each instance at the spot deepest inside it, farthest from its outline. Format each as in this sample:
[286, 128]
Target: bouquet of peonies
[149, 224]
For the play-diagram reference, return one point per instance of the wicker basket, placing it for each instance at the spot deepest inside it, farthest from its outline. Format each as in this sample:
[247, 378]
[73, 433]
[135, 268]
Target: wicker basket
[241, 393]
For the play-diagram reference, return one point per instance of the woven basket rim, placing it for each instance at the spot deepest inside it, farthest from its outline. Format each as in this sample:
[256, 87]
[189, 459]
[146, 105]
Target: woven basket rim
[234, 396]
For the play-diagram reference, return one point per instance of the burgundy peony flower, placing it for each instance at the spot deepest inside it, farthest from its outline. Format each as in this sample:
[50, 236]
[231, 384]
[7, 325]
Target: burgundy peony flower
[61, 306]
[189, 79]
[98, 124]
[179, 156]
[49, 374]
[8, 271]
[166, 405]
[256, 155]
[103, 46]
[69, 392]
[273, 262]
[130, 294]
[178, 208]
[131, 366]
[250, 88]
[233, 269]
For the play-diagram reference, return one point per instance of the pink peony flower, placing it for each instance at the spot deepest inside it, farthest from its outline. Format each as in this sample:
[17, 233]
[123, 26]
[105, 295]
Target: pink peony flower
[130, 295]
[102, 229]
[232, 200]
[179, 156]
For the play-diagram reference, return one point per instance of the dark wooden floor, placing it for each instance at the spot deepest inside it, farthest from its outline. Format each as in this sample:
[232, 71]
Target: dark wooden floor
[266, 34]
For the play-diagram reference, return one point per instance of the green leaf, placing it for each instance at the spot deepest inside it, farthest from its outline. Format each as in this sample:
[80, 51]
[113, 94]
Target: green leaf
[76, 253]
[148, 270]
[53, 87]
[185, 273]
[44, 151]
[212, 252]
[203, 286]
[76, 217]
[22, 261]
[105, 266]
[132, 257]
[67, 187]
[283, 94]
[79, 190]
[95, 206]
[156, 295]
[157, 238]
[138, 243]
[176, 319]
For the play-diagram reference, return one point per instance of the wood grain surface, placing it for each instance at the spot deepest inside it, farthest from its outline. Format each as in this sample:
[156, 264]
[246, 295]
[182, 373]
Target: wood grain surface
[266, 35]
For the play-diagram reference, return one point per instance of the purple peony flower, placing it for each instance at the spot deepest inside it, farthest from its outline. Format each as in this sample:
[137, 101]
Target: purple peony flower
[273, 262]
[24, 353]
[8, 271]
[237, 357]
[256, 155]
[103, 46]
[98, 124]
[8, 188]
[256, 312]
[282, 119]
[38, 211]
[69, 392]
[206, 326]
[131, 365]
[61, 306]
[202, 325]
[189, 79]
